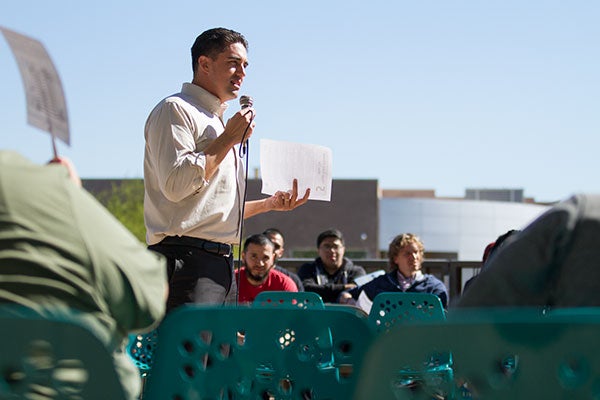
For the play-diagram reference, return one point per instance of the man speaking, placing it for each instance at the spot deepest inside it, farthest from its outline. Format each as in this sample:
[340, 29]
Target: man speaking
[194, 178]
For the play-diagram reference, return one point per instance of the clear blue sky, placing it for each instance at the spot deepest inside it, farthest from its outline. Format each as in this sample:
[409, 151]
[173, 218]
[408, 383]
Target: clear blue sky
[442, 95]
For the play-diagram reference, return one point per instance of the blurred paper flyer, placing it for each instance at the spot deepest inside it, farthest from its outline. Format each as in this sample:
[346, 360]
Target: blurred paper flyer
[46, 105]
[281, 162]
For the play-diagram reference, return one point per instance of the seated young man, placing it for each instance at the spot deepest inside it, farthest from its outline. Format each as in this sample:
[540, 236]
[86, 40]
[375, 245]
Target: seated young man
[406, 258]
[257, 275]
[276, 237]
[330, 273]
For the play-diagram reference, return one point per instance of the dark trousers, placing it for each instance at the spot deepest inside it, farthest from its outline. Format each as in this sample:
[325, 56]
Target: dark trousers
[197, 276]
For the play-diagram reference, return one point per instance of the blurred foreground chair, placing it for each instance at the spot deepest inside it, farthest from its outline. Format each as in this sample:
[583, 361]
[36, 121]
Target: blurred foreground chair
[291, 300]
[53, 359]
[303, 301]
[508, 354]
[257, 353]
[141, 348]
[392, 310]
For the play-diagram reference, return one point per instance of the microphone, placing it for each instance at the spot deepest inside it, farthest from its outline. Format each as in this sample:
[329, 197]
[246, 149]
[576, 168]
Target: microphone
[246, 101]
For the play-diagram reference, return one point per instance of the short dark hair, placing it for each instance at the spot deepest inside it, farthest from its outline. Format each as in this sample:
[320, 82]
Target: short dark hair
[258, 239]
[334, 233]
[273, 231]
[214, 41]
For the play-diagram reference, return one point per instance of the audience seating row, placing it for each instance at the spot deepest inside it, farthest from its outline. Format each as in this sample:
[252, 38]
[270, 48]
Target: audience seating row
[293, 347]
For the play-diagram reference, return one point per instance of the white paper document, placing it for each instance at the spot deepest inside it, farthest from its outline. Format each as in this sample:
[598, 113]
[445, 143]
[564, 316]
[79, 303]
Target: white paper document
[364, 302]
[361, 280]
[46, 106]
[281, 162]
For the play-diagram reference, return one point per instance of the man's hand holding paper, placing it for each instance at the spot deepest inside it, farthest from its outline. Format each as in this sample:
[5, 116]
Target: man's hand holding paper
[307, 166]
[287, 201]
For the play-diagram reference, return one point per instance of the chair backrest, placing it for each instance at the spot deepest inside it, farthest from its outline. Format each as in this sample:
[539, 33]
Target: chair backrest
[392, 308]
[141, 348]
[54, 359]
[511, 355]
[354, 310]
[257, 352]
[293, 300]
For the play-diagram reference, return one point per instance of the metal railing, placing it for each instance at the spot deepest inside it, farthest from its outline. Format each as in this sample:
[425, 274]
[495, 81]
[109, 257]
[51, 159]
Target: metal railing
[451, 272]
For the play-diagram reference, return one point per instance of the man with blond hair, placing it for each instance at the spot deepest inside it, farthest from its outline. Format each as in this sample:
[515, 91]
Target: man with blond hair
[405, 255]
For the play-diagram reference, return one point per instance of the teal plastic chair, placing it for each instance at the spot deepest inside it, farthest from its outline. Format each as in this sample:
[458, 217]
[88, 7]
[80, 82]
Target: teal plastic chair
[507, 354]
[392, 310]
[141, 348]
[294, 301]
[291, 300]
[53, 359]
[257, 353]
[302, 301]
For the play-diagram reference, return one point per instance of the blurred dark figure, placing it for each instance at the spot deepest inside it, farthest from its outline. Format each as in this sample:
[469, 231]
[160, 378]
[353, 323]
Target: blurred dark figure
[489, 250]
[551, 263]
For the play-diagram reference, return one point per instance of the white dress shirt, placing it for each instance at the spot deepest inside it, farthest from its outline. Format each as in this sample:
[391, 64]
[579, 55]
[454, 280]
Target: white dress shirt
[178, 200]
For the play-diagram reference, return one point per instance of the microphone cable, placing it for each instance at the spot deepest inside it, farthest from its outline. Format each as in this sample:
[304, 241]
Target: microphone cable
[243, 152]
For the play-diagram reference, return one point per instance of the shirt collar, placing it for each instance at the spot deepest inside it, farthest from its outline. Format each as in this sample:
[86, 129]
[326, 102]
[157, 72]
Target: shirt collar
[405, 283]
[206, 99]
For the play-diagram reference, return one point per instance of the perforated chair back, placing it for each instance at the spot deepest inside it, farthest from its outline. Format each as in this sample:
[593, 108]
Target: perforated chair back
[292, 300]
[257, 353]
[515, 354]
[392, 308]
[141, 348]
[54, 359]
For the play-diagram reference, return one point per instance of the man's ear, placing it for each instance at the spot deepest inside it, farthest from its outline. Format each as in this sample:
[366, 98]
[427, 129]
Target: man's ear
[204, 64]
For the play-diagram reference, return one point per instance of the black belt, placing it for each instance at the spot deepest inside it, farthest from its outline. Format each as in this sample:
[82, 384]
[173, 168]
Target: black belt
[222, 249]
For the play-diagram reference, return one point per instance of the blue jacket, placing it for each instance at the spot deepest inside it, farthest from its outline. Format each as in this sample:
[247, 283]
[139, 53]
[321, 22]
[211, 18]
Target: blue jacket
[389, 283]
